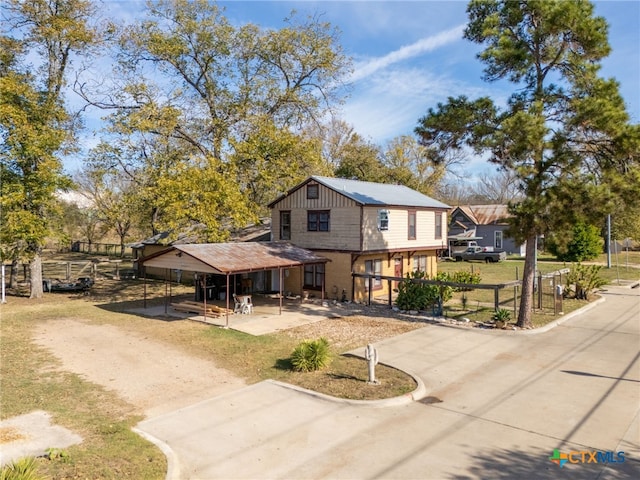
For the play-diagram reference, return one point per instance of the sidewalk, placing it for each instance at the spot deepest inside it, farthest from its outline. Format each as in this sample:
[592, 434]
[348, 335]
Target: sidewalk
[496, 405]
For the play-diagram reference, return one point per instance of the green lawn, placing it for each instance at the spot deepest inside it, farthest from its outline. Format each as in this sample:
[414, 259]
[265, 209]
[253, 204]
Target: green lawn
[478, 304]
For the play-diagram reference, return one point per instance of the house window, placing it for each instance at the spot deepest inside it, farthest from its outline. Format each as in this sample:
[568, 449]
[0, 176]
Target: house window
[438, 224]
[312, 191]
[383, 220]
[420, 263]
[412, 225]
[373, 267]
[314, 276]
[285, 225]
[497, 239]
[318, 220]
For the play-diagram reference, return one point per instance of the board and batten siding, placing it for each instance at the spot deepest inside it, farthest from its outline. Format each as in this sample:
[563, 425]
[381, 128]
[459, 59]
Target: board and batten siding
[344, 222]
[397, 236]
[172, 261]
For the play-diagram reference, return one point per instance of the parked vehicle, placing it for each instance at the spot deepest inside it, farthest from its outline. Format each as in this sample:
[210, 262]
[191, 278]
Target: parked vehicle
[482, 254]
[82, 284]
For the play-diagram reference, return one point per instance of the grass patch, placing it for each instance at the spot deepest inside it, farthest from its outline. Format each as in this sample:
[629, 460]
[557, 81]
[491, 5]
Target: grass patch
[30, 382]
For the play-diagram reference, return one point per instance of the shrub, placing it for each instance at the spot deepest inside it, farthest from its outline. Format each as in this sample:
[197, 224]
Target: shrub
[582, 280]
[23, 469]
[311, 355]
[414, 295]
[501, 315]
[585, 243]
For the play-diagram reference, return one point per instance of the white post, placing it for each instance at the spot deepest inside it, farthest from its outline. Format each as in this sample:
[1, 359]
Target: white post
[3, 285]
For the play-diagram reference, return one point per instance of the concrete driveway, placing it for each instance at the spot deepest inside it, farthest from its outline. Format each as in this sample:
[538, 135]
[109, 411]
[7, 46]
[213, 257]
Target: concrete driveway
[497, 405]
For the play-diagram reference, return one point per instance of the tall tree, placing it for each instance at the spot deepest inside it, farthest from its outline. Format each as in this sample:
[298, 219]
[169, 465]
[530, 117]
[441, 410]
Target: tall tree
[34, 122]
[414, 165]
[564, 131]
[200, 90]
[499, 187]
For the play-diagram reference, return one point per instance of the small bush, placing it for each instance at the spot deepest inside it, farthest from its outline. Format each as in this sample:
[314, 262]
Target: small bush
[311, 355]
[582, 243]
[23, 469]
[414, 295]
[582, 280]
[501, 315]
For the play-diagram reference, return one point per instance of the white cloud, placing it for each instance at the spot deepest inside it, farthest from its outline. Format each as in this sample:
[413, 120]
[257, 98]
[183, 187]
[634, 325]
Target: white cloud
[424, 45]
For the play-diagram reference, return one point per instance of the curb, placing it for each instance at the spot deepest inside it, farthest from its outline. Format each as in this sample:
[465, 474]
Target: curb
[561, 320]
[173, 464]
[406, 399]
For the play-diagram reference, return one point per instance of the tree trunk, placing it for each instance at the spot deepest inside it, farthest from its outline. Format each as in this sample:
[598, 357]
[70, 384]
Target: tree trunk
[13, 275]
[35, 274]
[528, 278]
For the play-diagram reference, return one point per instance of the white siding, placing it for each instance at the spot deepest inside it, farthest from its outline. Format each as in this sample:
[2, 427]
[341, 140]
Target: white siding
[397, 237]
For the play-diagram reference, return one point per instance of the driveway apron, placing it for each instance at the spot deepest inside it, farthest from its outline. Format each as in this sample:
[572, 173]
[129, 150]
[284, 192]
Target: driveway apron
[497, 405]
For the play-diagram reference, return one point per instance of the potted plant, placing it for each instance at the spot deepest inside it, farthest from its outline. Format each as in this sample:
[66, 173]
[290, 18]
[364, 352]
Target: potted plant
[501, 317]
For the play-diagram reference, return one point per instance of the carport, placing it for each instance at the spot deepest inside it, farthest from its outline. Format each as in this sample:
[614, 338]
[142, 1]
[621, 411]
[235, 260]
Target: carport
[233, 259]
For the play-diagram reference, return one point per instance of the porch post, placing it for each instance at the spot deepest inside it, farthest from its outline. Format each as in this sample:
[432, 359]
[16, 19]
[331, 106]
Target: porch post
[301, 284]
[226, 325]
[205, 297]
[280, 293]
[166, 292]
[144, 278]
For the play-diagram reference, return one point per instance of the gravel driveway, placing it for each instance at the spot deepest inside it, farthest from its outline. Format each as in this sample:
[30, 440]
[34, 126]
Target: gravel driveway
[154, 377]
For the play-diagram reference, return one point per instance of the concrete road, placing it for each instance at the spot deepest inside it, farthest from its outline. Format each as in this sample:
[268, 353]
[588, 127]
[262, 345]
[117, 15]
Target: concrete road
[497, 406]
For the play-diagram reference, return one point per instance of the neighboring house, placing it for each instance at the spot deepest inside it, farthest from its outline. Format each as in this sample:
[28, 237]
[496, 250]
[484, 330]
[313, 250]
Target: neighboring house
[486, 224]
[362, 227]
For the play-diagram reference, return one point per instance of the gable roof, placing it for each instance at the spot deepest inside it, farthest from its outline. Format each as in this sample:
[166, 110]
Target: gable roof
[370, 193]
[485, 214]
[229, 258]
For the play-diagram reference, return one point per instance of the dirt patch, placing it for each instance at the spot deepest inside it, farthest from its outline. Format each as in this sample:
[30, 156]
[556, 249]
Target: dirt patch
[351, 332]
[152, 376]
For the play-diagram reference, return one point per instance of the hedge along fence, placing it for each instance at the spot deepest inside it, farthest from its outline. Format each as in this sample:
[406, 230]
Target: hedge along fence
[369, 278]
[505, 295]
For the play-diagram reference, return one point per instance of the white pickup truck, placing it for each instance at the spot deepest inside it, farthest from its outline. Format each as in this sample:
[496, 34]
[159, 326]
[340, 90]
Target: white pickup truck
[481, 253]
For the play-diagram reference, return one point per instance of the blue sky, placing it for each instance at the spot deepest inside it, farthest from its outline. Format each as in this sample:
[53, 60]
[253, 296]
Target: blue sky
[410, 55]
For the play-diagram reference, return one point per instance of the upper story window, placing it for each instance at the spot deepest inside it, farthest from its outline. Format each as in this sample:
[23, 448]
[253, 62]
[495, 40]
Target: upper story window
[383, 219]
[438, 224]
[285, 225]
[318, 220]
[412, 225]
[312, 191]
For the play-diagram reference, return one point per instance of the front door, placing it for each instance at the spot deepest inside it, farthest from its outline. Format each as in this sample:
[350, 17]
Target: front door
[397, 270]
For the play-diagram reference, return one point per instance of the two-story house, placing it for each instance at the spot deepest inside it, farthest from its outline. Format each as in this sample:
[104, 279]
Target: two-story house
[361, 227]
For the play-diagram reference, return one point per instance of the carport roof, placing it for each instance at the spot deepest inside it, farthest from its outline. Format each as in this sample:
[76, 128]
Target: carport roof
[230, 258]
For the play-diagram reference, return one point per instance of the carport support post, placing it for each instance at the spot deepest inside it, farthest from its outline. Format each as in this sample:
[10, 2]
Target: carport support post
[226, 323]
[166, 291]
[205, 297]
[496, 300]
[144, 278]
[281, 279]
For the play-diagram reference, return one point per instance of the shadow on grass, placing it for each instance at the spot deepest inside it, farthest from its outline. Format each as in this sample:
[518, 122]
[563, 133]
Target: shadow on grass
[283, 364]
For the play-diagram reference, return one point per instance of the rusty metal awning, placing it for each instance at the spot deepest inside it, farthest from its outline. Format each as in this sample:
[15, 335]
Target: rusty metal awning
[232, 258]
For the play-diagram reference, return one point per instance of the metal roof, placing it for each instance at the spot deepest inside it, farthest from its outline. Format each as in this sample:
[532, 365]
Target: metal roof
[228, 258]
[486, 214]
[370, 193]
